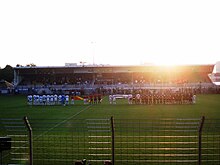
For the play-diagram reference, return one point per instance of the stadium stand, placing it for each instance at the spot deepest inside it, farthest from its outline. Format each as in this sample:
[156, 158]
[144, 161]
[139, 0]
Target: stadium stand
[110, 79]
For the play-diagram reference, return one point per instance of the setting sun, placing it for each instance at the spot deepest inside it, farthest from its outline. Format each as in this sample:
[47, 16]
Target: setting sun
[166, 61]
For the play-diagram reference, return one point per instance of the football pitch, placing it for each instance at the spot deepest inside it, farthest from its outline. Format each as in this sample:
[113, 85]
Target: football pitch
[16, 107]
[144, 134]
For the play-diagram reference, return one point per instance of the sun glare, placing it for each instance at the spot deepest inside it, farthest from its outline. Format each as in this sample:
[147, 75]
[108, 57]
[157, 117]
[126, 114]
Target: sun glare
[166, 61]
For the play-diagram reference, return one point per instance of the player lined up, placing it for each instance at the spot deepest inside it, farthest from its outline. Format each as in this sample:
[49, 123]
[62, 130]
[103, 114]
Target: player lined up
[158, 98]
[61, 99]
[173, 98]
[49, 100]
[93, 99]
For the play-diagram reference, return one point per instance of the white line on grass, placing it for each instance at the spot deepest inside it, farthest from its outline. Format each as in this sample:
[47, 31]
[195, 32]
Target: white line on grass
[53, 127]
[74, 115]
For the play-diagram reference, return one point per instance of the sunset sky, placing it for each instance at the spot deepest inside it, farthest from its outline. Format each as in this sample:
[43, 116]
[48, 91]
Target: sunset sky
[115, 32]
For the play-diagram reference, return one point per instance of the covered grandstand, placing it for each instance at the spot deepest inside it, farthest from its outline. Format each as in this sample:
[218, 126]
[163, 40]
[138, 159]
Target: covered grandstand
[89, 78]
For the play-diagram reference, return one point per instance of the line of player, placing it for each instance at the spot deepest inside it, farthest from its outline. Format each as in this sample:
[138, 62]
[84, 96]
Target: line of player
[61, 99]
[92, 99]
[159, 98]
[49, 100]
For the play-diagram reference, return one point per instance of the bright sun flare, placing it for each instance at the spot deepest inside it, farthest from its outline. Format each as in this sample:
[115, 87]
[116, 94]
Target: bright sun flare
[167, 61]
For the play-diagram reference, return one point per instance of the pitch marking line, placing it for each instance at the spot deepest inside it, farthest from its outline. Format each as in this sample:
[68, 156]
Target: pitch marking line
[53, 127]
[63, 122]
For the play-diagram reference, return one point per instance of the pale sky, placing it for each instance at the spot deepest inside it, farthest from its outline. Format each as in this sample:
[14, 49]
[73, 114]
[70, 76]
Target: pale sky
[115, 32]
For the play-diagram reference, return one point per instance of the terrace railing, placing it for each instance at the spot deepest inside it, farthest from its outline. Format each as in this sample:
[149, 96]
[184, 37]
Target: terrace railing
[119, 141]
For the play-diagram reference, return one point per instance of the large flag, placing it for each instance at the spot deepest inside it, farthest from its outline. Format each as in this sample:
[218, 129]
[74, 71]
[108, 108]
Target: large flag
[78, 98]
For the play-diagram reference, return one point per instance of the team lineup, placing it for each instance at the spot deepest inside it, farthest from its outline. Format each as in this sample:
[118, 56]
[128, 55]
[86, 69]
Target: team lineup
[149, 98]
[62, 99]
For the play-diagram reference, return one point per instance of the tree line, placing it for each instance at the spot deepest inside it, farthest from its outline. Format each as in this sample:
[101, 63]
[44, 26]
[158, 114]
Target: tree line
[7, 73]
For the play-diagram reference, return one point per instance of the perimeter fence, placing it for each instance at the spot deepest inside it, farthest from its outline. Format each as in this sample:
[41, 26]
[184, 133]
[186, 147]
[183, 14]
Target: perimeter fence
[114, 141]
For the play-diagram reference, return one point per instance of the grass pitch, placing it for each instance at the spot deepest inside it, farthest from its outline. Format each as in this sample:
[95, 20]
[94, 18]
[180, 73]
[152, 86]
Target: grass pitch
[16, 107]
[58, 141]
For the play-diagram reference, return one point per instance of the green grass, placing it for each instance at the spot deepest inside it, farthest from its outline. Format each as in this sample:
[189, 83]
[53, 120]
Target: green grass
[59, 139]
[16, 107]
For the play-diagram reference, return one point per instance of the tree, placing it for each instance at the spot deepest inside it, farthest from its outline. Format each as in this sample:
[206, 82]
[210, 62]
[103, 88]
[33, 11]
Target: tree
[7, 73]
[31, 65]
[18, 65]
